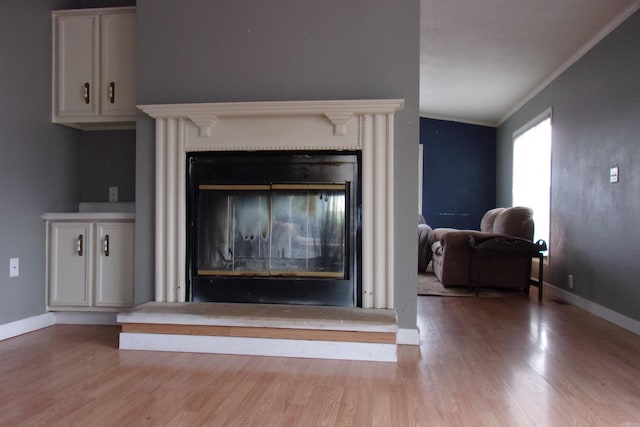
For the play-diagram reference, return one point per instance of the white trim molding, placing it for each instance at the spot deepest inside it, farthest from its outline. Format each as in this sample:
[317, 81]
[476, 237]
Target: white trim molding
[23, 326]
[602, 312]
[374, 352]
[41, 321]
[408, 336]
[358, 125]
[86, 317]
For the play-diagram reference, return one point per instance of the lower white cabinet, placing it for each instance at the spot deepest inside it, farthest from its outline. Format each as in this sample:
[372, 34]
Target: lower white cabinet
[90, 264]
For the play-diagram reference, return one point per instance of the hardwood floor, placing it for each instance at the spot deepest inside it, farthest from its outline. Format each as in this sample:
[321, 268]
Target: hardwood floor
[483, 361]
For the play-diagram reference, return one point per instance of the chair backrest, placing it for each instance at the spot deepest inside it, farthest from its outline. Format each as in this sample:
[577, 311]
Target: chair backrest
[489, 218]
[516, 221]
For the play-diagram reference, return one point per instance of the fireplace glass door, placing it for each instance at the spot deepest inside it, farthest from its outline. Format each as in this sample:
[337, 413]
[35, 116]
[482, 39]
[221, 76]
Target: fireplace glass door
[273, 230]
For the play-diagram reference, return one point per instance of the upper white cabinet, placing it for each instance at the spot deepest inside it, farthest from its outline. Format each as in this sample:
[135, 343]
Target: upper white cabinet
[94, 67]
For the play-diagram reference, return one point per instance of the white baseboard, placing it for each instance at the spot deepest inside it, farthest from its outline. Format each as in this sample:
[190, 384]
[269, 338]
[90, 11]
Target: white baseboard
[86, 318]
[607, 314]
[30, 324]
[260, 346]
[408, 336]
[23, 326]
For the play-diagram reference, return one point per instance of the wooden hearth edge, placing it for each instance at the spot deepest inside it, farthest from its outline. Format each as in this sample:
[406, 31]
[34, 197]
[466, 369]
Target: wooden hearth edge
[261, 332]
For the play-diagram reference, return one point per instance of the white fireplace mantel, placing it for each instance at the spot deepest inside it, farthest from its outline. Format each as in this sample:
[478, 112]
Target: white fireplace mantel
[358, 125]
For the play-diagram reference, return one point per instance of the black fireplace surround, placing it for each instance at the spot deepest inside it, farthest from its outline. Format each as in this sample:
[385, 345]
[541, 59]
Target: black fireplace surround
[274, 227]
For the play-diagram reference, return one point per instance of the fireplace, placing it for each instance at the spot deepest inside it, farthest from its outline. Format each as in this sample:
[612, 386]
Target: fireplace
[273, 227]
[361, 128]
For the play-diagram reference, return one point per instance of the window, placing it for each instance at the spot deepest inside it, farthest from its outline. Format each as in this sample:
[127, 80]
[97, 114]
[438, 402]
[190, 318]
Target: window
[532, 172]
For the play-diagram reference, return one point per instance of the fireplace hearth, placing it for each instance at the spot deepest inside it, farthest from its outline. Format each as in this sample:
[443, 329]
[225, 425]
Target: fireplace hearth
[274, 227]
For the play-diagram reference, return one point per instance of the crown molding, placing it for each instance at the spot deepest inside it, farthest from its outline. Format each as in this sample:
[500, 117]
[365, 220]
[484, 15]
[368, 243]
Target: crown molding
[600, 35]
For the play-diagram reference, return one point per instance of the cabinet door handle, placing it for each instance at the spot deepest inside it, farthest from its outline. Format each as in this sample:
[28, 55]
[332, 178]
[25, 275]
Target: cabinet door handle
[79, 245]
[105, 245]
[112, 92]
[87, 90]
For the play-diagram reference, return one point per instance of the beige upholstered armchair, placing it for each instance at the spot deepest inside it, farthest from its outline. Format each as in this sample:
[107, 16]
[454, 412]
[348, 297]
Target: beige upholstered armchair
[457, 263]
[425, 240]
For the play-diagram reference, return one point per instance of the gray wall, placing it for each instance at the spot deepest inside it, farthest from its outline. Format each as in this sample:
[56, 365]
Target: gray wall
[39, 165]
[244, 50]
[596, 123]
[107, 159]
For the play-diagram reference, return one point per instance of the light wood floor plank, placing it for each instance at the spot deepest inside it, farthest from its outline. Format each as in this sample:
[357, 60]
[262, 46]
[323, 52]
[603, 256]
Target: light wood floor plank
[482, 361]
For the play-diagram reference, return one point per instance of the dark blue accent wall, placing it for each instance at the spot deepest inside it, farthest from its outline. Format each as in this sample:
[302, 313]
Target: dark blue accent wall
[459, 172]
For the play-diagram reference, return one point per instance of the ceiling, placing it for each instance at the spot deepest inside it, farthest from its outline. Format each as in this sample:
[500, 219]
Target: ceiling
[482, 59]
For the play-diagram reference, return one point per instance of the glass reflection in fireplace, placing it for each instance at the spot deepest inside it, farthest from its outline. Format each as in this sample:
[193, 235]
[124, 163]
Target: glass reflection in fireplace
[289, 230]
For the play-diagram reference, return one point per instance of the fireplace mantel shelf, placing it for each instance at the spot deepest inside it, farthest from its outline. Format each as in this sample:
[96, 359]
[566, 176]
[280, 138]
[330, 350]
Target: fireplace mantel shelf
[273, 108]
[205, 115]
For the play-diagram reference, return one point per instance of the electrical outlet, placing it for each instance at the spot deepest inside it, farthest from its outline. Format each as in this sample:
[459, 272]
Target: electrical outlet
[113, 194]
[613, 174]
[14, 267]
[571, 281]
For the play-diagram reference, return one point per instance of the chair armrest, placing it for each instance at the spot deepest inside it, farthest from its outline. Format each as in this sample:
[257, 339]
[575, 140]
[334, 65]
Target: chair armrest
[452, 255]
[507, 244]
[461, 237]
[438, 233]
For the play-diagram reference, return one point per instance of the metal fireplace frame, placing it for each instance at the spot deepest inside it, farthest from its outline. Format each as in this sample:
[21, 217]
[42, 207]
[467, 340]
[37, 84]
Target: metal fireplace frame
[275, 167]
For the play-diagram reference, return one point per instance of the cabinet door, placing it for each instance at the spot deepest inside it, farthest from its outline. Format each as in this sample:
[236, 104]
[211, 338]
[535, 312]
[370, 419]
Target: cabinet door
[70, 247]
[118, 57]
[114, 264]
[75, 59]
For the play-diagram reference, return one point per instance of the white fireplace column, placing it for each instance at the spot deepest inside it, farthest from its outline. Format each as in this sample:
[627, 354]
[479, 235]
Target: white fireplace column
[357, 125]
